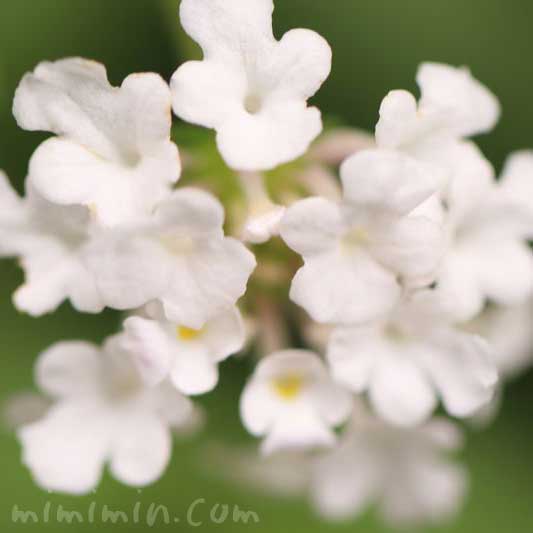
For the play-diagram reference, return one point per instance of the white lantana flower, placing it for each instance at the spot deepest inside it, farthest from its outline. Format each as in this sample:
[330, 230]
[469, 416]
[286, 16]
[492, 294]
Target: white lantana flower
[50, 242]
[360, 252]
[292, 401]
[488, 256]
[250, 88]
[178, 256]
[405, 472]
[409, 360]
[452, 107]
[188, 356]
[101, 413]
[112, 152]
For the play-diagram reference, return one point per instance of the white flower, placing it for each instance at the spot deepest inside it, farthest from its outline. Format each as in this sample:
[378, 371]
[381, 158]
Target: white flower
[113, 151]
[188, 356]
[452, 107]
[178, 256]
[488, 256]
[516, 182]
[358, 253]
[292, 401]
[50, 241]
[250, 88]
[407, 361]
[405, 472]
[101, 413]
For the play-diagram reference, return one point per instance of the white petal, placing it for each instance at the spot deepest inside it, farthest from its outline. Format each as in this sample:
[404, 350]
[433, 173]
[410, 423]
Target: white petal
[400, 392]
[207, 281]
[66, 450]
[517, 178]
[460, 367]
[469, 106]
[280, 133]
[345, 289]
[388, 180]
[297, 429]
[257, 407]
[194, 370]
[312, 226]
[225, 334]
[353, 354]
[141, 449]
[129, 270]
[261, 226]
[221, 25]
[69, 368]
[149, 344]
[413, 247]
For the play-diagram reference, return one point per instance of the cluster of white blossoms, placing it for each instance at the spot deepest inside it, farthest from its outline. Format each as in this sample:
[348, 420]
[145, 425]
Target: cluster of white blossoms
[417, 274]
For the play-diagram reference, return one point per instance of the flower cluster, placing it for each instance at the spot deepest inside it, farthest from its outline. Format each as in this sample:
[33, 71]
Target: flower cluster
[415, 282]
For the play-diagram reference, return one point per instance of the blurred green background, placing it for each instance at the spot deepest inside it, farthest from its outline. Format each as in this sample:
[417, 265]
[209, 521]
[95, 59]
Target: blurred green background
[377, 46]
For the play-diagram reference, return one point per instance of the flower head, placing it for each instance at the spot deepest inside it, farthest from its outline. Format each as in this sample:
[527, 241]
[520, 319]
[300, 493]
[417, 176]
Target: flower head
[50, 241]
[112, 151]
[359, 252]
[188, 356]
[178, 256]
[409, 360]
[292, 401]
[250, 88]
[405, 472]
[101, 413]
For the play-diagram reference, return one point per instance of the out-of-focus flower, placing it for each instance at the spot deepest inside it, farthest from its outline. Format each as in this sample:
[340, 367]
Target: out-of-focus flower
[101, 413]
[293, 402]
[179, 256]
[408, 360]
[358, 253]
[250, 88]
[112, 152]
[188, 356]
[338, 144]
[405, 472]
[488, 255]
[50, 242]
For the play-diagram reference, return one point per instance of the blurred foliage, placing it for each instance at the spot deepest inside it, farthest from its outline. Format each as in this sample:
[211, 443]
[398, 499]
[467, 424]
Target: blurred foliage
[377, 45]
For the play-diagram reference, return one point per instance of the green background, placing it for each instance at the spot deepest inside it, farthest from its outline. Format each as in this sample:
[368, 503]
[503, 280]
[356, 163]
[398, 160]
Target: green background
[377, 46]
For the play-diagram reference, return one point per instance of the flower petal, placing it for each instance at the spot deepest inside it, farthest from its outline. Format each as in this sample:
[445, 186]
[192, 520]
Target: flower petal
[388, 180]
[141, 449]
[311, 226]
[470, 108]
[194, 371]
[66, 450]
[344, 289]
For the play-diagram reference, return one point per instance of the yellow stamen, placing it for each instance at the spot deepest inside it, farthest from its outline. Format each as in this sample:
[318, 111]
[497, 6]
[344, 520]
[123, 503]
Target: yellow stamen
[288, 387]
[187, 334]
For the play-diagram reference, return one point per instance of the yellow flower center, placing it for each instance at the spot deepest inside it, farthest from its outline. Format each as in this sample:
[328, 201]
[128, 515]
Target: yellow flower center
[288, 387]
[187, 334]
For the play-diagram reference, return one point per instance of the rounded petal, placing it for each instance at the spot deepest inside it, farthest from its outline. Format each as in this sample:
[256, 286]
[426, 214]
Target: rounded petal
[400, 392]
[388, 180]
[194, 371]
[141, 449]
[301, 63]
[517, 178]
[257, 407]
[208, 92]
[413, 247]
[344, 289]
[66, 450]
[207, 281]
[470, 108]
[129, 270]
[312, 226]
[353, 355]
[225, 334]
[279, 133]
[149, 344]
[460, 367]
[69, 368]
